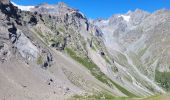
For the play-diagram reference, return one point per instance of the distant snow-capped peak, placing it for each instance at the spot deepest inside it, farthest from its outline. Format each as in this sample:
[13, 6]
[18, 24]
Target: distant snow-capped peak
[25, 8]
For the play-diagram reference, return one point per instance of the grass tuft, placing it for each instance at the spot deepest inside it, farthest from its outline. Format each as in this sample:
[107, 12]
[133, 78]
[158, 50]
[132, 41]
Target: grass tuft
[40, 60]
[163, 78]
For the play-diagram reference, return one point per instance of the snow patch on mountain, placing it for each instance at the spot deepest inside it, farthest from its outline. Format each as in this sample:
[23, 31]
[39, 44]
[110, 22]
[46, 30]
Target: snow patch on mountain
[125, 17]
[24, 8]
[105, 21]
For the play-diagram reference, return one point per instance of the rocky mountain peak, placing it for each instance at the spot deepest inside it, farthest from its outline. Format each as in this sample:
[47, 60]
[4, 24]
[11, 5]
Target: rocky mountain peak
[57, 9]
[62, 4]
[162, 11]
[138, 16]
[139, 10]
[4, 1]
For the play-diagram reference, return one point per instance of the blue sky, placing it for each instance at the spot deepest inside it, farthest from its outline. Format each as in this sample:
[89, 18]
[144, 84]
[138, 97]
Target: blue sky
[105, 8]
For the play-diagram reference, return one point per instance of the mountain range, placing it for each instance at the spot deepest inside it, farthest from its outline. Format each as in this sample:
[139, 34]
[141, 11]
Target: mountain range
[54, 52]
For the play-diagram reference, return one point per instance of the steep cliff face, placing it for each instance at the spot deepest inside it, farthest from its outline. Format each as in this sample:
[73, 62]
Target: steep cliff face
[54, 51]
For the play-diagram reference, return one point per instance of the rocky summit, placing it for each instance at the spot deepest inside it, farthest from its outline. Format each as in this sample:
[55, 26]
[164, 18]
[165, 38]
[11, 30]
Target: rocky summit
[53, 52]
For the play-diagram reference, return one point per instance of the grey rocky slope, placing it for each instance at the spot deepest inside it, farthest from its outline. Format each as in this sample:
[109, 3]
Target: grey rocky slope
[54, 52]
[142, 40]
